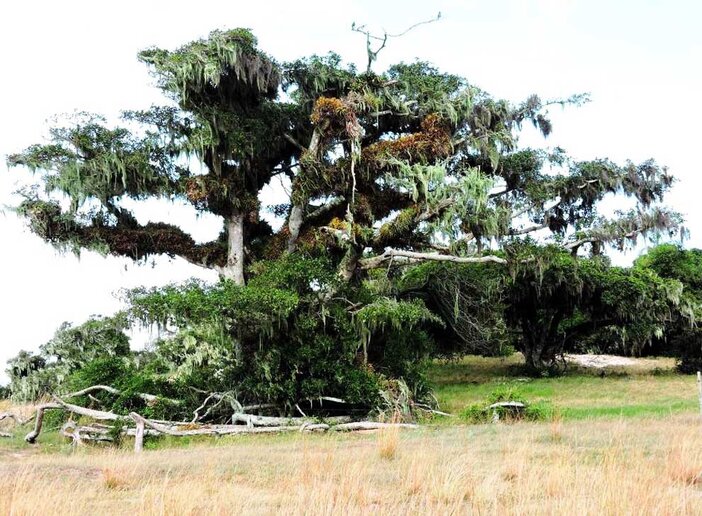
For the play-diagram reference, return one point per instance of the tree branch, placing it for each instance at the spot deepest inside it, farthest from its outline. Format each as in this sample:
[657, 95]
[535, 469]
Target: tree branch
[529, 229]
[389, 254]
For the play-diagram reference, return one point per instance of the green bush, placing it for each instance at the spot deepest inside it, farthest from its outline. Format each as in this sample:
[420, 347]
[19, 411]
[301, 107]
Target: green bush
[480, 413]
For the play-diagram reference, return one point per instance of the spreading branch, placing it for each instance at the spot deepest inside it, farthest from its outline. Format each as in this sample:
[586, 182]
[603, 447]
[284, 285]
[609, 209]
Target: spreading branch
[390, 254]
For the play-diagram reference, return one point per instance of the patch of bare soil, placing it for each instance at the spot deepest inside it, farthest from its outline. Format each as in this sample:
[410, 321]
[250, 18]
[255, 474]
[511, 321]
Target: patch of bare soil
[601, 361]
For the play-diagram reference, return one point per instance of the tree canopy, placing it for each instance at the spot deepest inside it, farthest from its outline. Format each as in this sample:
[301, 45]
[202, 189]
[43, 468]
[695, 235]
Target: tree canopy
[382, 165]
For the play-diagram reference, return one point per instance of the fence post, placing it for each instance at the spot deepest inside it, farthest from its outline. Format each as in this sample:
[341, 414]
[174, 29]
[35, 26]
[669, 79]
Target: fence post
[139, 436]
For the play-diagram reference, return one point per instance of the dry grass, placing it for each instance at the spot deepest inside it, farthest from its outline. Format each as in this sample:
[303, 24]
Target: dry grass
[626, 466]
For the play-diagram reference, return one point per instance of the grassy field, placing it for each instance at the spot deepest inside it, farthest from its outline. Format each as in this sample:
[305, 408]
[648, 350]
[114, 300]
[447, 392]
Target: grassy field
[627, 443]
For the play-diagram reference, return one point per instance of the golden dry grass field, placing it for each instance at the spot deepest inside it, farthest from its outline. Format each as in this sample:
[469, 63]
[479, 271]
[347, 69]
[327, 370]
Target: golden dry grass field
[625, 464]
[628, 466]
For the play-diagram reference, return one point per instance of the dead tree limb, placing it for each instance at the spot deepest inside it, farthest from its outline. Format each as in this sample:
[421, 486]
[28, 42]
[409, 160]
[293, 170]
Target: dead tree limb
[100, 415]
[138, 434]
[17, 419]
[263, 421]
[369, 425]
[211, 429]
[31, 437]
[150, 398]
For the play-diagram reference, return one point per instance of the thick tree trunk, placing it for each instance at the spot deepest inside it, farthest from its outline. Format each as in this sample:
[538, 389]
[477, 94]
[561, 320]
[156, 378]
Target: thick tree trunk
[539, 355]
[234, 270]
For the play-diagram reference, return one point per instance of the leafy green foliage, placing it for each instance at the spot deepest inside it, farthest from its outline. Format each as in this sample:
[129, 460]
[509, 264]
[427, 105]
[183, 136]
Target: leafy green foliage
[681, 338]
[480, 413]
[565, 299]
[470, 301]
[70, 349]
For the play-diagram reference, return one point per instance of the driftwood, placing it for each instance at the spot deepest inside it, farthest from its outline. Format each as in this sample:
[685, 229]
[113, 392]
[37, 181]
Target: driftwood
[210, 429]
[31, 437]
[17, 419]
[264, 421]
[369, 425]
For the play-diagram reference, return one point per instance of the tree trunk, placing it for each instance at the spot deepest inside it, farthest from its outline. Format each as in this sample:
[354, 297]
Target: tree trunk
[234, 270]
[299, 199]
[294, 225]
[538, 355]
[349, 264]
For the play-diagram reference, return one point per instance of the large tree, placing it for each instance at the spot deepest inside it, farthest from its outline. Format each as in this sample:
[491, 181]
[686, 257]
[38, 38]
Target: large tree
[385, 170]
[410, 164]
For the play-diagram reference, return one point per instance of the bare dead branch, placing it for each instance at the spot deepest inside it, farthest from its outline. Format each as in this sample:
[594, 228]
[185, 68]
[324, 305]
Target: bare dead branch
[294, 142]
[31, 437]
[528, 229]
[373, 54]
[262, 421]
[369, 425]
[150, 398]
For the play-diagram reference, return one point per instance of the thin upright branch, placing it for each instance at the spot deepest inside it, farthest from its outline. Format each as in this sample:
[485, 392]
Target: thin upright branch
[373, 54]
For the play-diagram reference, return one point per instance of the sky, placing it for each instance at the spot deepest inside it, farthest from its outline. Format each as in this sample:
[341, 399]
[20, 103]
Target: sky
[638, 59]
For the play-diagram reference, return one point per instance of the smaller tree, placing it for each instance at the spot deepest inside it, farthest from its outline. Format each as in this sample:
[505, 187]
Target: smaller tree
[681, 338]
[70, 349]
[561, 299]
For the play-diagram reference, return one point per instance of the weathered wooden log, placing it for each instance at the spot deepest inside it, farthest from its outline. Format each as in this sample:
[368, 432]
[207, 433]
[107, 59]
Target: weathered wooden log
[138, 434]
[69, 430]
[85, 433]
[262, 421]
[211, 429]
[314, 427]
[31, 437]
[17, 419]
[513, 405]
[91, 413]
[369, 425]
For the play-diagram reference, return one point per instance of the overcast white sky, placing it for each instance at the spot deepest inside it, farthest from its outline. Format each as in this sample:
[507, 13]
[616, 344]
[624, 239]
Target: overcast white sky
[639, 59]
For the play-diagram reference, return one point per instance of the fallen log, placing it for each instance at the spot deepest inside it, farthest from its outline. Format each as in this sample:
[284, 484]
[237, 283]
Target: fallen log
[263, 421]
[91, 413]
[18, 420]
[369, 425]
[211, 429]
[85, 433]
[31, 437]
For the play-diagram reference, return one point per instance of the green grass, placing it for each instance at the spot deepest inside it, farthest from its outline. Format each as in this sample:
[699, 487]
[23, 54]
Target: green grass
[650, 388]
